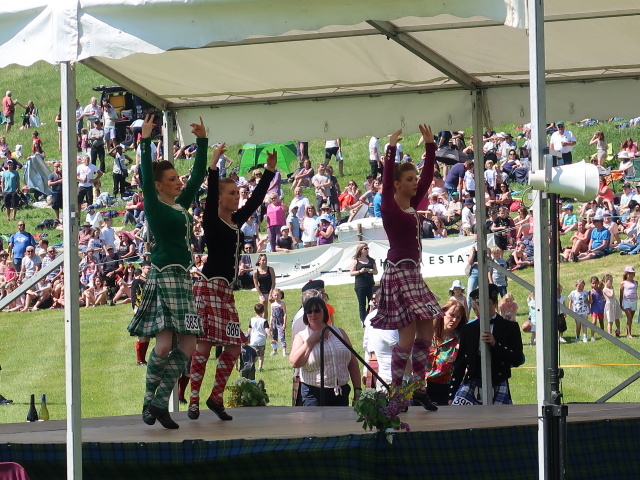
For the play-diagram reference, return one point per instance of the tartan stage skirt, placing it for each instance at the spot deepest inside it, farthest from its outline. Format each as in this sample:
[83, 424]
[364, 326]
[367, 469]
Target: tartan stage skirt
[217, 308]
[404, 297]
[167, 303]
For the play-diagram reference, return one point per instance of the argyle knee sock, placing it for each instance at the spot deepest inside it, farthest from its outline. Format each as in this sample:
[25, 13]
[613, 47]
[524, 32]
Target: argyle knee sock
[155, 370]
[198, 367]
[175, 366]
[141, 351]
[399, 358]
[183, 381]
[419, 357]
[226, 361]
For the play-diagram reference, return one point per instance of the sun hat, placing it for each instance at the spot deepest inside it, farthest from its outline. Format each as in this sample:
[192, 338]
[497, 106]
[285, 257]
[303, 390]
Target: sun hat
[568, 206]
[283, 228]
[325, 217]
[597, 219]
[454, 284]
[629, 269]
[624, 155]
[468, 201]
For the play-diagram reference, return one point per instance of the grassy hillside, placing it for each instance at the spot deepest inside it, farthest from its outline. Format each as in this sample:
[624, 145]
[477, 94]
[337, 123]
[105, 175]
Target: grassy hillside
[32, 344]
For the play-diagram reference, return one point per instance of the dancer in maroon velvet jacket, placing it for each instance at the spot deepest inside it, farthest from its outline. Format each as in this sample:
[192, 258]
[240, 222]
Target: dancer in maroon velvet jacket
[404, 300]
[213, 291]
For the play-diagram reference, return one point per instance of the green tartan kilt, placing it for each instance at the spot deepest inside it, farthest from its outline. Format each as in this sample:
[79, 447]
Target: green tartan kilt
[167, 303]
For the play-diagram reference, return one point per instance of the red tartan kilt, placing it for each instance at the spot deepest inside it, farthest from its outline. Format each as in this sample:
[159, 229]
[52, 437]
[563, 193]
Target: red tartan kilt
[217, 309]
[404, 297]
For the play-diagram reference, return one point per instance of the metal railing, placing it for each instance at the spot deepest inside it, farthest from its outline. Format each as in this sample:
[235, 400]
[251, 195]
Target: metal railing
[350, 348]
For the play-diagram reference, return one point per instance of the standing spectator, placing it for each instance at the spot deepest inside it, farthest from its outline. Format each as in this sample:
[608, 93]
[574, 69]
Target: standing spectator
[96, 136]
[308, 227]
[86, 174]
[119, 170]
[136, 130]
[107, 233]
[374, 157]
[629, 296]
[454, 181]
[363, 268]
[18, 244]
[36, 144]
[293, 224]
[333, 148]
[55, 183]
[601, 146]
[299, 201]
[505, 344]
[264, 279]
[496, 277]
[109, 119]
[276, 219]
[278, 321]
[10, 181]
[9, 109]
[92, 112]
[612, 310]
[79, 120]
[579, 304]
[285, 242]
[561, 143]
[258, 332]
[597, 303]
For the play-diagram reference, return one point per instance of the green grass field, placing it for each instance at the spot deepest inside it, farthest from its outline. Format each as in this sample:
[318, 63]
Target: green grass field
[32, 344]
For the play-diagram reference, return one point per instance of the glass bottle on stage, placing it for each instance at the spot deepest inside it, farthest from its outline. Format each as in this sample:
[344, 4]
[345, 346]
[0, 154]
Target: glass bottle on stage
[44, 411]
[32, 416]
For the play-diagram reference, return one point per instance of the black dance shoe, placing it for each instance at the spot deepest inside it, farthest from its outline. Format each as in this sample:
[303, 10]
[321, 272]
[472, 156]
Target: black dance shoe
[218, 409]
[147, 417]
[163, 417]
[423, 399]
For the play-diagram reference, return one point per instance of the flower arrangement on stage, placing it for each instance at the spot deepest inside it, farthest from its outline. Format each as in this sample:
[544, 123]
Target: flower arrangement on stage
[380, 410]
[247, 393]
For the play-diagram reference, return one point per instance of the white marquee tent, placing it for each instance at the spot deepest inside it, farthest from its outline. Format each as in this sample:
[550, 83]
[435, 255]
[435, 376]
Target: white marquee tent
[259, 70]
[270, 71]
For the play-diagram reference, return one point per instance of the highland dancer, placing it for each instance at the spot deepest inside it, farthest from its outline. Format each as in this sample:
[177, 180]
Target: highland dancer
[214, 289]
[404, 300]
[167, 305]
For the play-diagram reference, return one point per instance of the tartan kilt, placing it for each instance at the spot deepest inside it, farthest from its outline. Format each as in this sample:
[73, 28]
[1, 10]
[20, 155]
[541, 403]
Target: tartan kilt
[167, 303]
[217, 308]
[467, 392]
[404, 297]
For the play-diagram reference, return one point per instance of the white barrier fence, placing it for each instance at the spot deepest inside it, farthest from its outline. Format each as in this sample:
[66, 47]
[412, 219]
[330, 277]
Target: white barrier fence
[440, 258]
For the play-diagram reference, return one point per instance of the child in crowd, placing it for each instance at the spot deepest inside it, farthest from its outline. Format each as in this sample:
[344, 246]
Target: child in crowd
[579, 304]
[456, 293]
[258, 332]
[278, 321]
[490, 177]
[530, 324]
[36, 144]
[597, 303]
[247, 362]
[612, 310]
[629, 296]
[508, 307]
[561, 317]
[84, 141]
[495, 276]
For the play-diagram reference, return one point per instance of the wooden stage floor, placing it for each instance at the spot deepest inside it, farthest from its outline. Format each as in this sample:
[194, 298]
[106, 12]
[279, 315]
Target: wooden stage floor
[298, 422]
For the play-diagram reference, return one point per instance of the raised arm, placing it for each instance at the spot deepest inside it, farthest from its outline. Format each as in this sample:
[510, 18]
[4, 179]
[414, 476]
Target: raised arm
[199, 166]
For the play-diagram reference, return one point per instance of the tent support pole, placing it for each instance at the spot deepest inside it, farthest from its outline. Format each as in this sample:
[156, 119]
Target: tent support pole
[481, 245]
[552, 417]
[71, 281]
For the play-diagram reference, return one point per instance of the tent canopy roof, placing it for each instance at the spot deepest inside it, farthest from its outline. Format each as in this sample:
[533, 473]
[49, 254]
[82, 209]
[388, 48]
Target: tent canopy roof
[327, 68]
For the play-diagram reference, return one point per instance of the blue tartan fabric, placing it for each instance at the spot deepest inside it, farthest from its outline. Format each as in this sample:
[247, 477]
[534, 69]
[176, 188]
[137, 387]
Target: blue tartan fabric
[468, 394]
[481, 454]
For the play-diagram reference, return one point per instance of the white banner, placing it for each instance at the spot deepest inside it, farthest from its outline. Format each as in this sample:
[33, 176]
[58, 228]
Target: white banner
[440, 258]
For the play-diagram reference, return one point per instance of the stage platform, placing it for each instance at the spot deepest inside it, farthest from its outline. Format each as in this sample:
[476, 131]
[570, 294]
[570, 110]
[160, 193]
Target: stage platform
[476, 442]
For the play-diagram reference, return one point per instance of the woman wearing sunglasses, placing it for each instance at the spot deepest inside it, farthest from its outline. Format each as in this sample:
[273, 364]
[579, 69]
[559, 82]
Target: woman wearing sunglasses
[340, 364]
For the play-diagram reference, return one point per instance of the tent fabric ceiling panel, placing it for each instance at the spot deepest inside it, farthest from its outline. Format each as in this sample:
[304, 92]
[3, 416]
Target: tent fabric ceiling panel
[345, 117]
